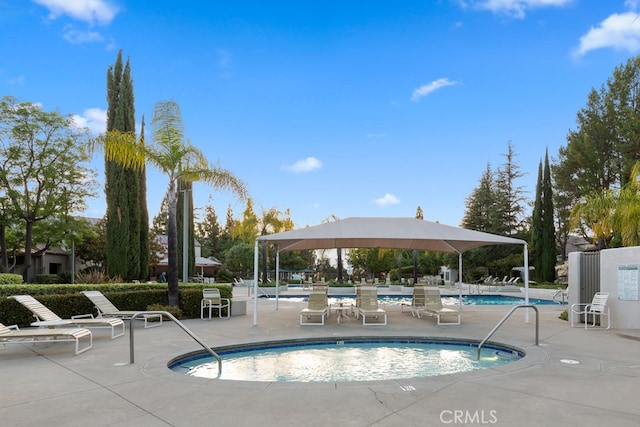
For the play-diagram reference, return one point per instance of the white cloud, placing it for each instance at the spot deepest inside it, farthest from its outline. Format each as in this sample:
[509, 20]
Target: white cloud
[306, 165]
[74, 36]
[376, 135]
[93, 118]
[513, 8]
[631, 4]
[90, 11]
[16, 81]
[387, 199]
[224, 58]
[618, 31]
[425, 90]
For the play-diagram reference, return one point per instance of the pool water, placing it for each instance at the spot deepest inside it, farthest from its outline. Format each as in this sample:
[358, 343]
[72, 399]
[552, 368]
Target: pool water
[446, 299]
[341, 361]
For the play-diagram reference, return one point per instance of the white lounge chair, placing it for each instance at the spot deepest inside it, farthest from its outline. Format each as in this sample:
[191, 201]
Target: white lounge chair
[597, 307]
[317, 306]
[14, 335]
[106, 309]
[47, 318]
[433, 307]
[369, 306]
[417, 300]
[211, 299]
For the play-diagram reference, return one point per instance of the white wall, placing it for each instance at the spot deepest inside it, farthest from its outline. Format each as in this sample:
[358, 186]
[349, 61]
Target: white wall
[624, 314]
[574, 278]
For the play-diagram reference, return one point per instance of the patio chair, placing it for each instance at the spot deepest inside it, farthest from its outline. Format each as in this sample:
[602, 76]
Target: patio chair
[106, 309]
[369, 306]
[597, 307]
[47, 318]
[317, 306]
[14, 335]
[211, 299]
[417, 300]
[433, 307]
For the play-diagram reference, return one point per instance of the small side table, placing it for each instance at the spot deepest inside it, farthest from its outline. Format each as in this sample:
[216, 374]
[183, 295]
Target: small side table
[342, 311]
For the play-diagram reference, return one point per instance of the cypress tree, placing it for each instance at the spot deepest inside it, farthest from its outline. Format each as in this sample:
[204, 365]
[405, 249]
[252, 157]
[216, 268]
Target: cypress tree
[536, 223]
[549, 250]
[122, 185]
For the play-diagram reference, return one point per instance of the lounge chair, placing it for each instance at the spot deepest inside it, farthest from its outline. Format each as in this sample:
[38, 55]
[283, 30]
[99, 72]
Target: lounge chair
[47, 318]
[433, 307]
[317, 306]
[369, 306]
[320, 287]
[211, 299]
[106, 309]
[417, 300]
[597, 307]
[14, 335]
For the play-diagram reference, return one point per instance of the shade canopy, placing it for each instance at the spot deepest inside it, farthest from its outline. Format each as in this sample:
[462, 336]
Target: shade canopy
[389, 233]
[200, 262]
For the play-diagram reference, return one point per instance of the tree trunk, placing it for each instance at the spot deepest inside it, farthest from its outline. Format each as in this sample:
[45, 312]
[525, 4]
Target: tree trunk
[172, 249]
[28, 245]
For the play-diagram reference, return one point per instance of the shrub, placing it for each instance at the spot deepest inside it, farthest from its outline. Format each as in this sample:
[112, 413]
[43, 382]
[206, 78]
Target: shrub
[91, 276]
[47, 279]
[224, 276]
[175, 311]
[10, 279]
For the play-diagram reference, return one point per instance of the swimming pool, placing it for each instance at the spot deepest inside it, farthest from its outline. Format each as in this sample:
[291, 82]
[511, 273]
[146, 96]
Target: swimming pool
[446, 299]
[347, 359]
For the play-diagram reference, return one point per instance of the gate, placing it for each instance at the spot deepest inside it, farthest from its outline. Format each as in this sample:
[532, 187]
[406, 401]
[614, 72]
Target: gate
[589, 276]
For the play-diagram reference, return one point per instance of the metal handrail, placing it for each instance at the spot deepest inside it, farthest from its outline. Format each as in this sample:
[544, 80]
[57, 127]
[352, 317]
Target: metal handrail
[262, 291]
[177, 322]
[562, 293]
[504, 319]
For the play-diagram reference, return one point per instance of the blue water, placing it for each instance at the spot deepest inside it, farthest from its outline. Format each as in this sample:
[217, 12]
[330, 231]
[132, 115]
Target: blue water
[348, 361]
[453, 300]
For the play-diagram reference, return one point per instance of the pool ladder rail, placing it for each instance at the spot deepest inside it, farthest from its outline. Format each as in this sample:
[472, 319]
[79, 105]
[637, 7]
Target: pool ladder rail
[181, 325]
[563, 294]
[504, 319]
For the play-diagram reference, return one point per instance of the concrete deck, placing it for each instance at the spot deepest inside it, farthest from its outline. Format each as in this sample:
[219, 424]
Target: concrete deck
[48, 385]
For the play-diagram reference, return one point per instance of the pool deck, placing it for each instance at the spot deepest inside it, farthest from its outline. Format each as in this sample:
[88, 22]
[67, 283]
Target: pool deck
[48, 385]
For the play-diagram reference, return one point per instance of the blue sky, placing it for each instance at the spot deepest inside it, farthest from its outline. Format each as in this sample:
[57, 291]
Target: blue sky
[345, 108]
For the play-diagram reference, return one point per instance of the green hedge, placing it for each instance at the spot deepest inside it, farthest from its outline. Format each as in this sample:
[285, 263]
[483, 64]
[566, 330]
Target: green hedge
[10, 279]
[67, 301]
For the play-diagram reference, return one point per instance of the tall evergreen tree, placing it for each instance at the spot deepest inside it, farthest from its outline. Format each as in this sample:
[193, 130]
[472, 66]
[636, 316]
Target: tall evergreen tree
[549, 252]
[209, 232]
[480, 204]
[509, 196]
[122, 185]
[536, 223]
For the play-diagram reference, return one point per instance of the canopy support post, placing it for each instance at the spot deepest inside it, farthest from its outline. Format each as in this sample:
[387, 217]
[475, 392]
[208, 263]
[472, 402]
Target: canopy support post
[255, 284]
[277, 277]
[526, 283]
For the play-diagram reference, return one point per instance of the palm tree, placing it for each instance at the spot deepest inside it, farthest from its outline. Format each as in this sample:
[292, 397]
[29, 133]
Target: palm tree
[270, 223]
[179, 160]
